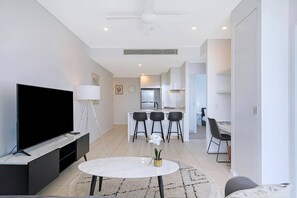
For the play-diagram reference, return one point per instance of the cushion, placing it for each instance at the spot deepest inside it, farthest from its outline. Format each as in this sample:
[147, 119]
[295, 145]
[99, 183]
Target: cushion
[264, 191]
[239, 183]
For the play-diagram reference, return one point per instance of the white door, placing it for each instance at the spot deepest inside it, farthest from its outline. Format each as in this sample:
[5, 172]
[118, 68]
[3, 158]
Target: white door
[245, 97]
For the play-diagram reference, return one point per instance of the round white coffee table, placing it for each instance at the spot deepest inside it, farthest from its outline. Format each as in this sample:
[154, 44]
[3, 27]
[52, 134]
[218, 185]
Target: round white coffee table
[126, 167]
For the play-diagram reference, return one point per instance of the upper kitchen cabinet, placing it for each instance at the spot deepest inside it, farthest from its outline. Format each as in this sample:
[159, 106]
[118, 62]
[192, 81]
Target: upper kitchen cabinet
[177, 78]
[151, 81]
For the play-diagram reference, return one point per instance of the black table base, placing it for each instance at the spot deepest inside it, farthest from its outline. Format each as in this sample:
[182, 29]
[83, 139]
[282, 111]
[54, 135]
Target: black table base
[94, 180]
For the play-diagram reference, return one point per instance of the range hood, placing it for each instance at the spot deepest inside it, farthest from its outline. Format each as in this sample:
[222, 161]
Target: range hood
[177, 89]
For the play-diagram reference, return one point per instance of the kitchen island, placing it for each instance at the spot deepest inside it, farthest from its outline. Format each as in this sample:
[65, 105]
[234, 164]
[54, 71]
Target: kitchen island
[165, 122]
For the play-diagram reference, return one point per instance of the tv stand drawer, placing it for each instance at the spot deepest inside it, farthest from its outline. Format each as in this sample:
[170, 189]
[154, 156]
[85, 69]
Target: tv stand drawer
[42, 171]
[82, 146]
[27, 175]
[29, 179]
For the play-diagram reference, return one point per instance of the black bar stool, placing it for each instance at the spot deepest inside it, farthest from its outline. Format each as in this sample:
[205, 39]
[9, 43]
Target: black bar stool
[139, 116]
[175, 117]
[157, 117]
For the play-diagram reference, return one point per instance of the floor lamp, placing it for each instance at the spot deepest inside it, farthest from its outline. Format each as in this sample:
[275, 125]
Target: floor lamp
[88, 93]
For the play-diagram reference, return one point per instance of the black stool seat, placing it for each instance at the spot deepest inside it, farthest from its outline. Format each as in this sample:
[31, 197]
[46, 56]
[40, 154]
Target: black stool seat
[139, 117]
[175, 117]
[157, 117]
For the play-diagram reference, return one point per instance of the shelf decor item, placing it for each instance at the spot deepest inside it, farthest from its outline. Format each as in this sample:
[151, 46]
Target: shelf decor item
[156, 139]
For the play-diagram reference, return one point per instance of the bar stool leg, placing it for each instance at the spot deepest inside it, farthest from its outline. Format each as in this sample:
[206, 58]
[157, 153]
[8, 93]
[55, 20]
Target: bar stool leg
[181, 134]
[136, 130]
[134, 135]
[169, 130]
[177, 129]
[145, 129]
[153, 128]
[162, 131]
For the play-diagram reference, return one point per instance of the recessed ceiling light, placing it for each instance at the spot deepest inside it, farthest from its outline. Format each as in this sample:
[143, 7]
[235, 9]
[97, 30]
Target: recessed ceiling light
[224, 28]
[194, 28]
[139, 65]
[105, 29]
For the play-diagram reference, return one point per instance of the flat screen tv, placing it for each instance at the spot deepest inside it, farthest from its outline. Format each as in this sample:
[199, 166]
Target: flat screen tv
[42, 114]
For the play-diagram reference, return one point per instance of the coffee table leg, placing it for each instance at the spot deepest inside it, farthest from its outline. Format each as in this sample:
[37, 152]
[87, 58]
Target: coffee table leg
[161, 188]
[100, 183]
[93, 184]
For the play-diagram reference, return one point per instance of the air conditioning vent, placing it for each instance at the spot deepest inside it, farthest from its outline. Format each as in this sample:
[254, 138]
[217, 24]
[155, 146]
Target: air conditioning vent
[150, 51]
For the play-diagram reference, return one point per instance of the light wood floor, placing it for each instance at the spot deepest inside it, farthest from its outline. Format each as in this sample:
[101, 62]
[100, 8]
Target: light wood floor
[114, 143]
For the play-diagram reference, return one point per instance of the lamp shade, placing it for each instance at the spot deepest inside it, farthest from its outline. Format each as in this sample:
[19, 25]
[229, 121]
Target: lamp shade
[88, 92]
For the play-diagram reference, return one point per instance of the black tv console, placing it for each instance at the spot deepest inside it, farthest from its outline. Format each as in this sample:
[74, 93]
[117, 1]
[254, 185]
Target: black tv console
[27, 175]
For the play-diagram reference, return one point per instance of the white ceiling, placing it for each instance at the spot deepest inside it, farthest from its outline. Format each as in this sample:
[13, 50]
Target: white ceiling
[86, 19]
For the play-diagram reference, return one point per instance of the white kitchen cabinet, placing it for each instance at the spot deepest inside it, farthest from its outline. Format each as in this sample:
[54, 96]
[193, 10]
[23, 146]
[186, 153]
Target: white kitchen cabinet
[155, 81]
[177, 78]
[182, 77]
[144, 81]
[150, 81]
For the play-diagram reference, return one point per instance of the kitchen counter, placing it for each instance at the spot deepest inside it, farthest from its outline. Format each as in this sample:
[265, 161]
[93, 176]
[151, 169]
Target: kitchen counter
[165, 122]
[156, 110]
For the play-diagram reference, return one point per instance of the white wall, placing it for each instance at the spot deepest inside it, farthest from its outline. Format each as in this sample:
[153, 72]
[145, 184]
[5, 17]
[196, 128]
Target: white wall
[37, 49]
[272, 45]
[200, 81]
[275, 86]
[218, 58]
[293, 13]
[128, 101]
[196, 91]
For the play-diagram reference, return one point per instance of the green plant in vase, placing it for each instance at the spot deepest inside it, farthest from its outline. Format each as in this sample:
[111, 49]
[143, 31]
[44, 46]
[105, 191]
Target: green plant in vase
[156, 139]
[158, 159]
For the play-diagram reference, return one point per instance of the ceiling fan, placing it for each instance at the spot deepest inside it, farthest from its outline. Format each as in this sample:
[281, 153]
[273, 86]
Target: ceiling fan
[148, 16]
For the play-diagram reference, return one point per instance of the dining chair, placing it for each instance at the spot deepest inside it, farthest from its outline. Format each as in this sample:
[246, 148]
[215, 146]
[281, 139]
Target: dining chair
[215, 133]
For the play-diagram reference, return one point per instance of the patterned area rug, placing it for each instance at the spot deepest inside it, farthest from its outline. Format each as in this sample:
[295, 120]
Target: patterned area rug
[187, 182]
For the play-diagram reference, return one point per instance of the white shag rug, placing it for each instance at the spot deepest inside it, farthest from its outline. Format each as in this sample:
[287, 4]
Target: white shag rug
[187, 182]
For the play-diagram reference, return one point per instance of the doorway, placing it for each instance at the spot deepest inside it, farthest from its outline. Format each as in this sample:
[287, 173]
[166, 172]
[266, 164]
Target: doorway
[197, 101]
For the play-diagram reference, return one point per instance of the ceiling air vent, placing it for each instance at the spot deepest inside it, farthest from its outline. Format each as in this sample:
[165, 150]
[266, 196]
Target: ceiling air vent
[150, 51]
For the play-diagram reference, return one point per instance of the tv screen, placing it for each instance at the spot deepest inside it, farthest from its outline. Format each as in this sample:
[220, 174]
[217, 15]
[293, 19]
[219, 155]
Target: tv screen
[42, 114]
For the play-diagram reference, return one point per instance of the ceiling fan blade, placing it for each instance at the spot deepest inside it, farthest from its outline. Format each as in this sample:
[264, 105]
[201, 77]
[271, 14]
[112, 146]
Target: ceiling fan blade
[149, 6]
[173, 16]
[122, 17]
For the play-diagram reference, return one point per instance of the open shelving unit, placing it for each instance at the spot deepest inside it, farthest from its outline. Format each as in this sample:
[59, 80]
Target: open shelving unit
[226, 72]
[67, 155]
[224, 91]
[224, 77]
